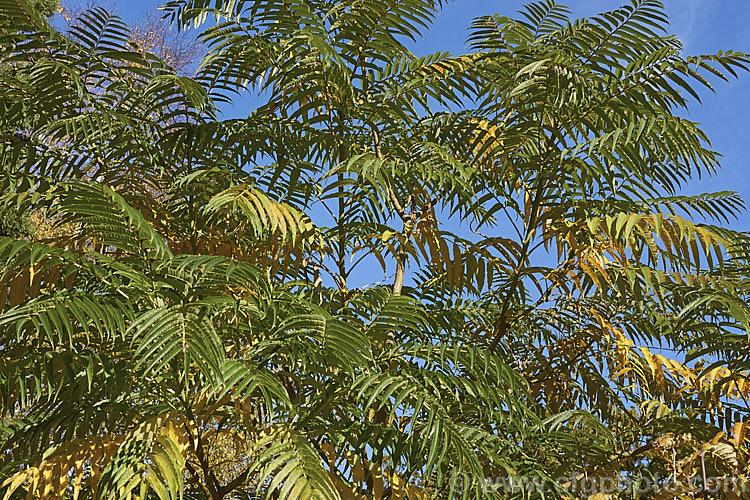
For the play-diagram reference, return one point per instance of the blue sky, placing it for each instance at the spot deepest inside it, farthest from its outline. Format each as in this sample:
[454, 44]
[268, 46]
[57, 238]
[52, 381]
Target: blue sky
[704, 26]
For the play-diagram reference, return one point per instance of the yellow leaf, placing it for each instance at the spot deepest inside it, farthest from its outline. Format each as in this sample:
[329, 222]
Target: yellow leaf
[739, 431]
[649, 359]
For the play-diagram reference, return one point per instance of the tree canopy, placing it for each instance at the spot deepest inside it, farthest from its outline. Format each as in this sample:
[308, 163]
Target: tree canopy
[549, 310]
[13, 222]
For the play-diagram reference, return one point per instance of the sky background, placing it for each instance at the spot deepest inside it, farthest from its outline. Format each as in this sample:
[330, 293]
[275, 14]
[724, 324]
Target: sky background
[704, 26]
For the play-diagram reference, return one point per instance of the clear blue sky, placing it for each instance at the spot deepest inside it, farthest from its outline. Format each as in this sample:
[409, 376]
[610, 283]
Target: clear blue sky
[704, 26]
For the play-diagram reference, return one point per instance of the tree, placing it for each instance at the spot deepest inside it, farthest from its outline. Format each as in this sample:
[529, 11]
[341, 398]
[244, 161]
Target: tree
[149, 34]
[179, 50]
[13, 222]
[205, 331]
